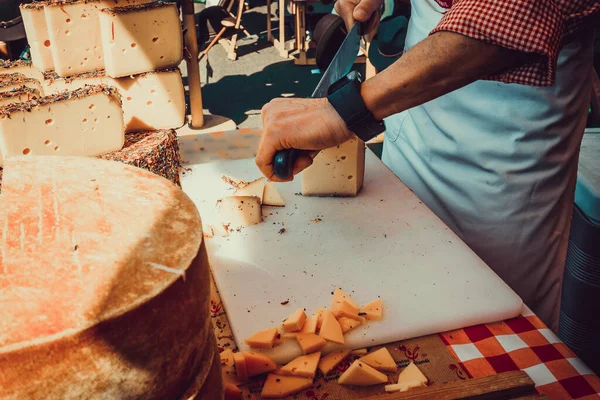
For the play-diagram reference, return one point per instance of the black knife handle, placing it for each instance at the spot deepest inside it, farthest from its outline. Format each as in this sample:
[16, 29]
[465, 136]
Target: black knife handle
[283, 163]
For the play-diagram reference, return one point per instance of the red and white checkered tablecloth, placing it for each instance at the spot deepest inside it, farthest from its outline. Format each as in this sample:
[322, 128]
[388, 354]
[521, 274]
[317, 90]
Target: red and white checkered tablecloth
[524, 343]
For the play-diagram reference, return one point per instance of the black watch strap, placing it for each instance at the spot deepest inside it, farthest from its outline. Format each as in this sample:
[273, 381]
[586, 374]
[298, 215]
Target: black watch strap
[346, 100]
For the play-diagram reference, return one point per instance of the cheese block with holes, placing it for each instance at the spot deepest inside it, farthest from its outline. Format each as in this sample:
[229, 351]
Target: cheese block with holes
[85, 122]
[18, 95]
[21, 66]
[337, 171]
[54, 84]
[102, 288]
[141, 38]
[36, 29]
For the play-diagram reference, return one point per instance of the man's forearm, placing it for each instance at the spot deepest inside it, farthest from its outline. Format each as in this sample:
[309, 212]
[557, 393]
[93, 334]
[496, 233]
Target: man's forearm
[441, 63]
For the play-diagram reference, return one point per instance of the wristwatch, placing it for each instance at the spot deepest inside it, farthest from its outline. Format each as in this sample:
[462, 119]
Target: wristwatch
[344, 96]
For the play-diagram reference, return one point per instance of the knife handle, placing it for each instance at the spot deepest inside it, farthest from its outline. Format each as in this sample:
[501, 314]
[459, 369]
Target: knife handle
[283, 163]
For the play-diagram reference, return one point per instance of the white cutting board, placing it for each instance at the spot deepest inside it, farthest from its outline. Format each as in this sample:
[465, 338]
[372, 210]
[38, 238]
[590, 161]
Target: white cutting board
[384, 242]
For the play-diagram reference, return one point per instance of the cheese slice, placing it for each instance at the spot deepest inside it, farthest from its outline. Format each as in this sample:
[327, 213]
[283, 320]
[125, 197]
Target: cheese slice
[17, 80]
[271, 196]
[331, 329]
[255, 188]
[34, 21]
[21, 66]
[86, 122]
[412, 373]
[18, 95]
[258, 364]
[54, 84]
[289, 335]
[337, 171]
[403, 387]
[263, 339]
[310, 326]
[295, 322]
[361, 374]
[277, 386]
[373, 311]
[359, 352]
[240, 211]
[339, 298]
[153, 100]
[348, 324]
[381, 360]
[302, 366]
[141, 38]
[240, 366]
[310, 342]
[346, 310]
[332, 360]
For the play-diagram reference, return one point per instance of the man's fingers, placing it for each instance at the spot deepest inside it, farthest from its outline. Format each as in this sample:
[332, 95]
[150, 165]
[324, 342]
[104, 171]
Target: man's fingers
[344, 9]
[365, 9]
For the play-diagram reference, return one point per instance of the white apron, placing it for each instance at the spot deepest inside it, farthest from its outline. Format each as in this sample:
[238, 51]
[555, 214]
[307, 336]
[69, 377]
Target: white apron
[497, 163]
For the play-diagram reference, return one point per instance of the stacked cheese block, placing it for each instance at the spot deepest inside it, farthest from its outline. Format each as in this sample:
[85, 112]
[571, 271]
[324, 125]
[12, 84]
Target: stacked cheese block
[105, 284]
[312, 333]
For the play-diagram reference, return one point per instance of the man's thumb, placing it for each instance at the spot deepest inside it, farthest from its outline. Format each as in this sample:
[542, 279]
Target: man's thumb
[365, 9]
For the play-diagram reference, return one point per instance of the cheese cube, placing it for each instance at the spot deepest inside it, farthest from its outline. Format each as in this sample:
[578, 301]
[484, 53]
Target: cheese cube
[18, 95]
[154, 100]
[34, 21]
[332, 360]
[54, 84]
[310, 326]
[86, 122]
[263, 339]
[310, 343]
[241, 211]
[277, 386]
[295, 322]
[22, 67]
[337, 171]
[381, 360]
[360, 374]
[302, 366]
[17, 80]
[141, 38]
[331, 329]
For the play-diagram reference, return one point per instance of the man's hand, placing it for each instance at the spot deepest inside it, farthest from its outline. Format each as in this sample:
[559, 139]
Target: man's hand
[303, 124]
[367, 12]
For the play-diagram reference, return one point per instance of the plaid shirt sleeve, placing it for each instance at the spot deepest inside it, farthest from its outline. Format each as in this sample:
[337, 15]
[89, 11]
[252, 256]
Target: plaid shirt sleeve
[532, 26]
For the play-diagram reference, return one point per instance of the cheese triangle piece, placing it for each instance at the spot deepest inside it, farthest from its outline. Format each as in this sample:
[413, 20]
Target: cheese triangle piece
[346, 310]
[310, 343]
[412, 373]
[255, 188]
[302, 366]
[348, 324]
[381, 360]
[319, 315]
[263, 339]
[373, 311]
[339, 297]
[360, 374]
[295, 322]
[331, 329]
[257, 364]
[277, 386]
[310, 326]
[240, 366]
[332, 360]
[241, 210]
[271, 196]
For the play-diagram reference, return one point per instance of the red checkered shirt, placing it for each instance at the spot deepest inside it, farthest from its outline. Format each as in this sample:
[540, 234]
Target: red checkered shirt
[532, 26]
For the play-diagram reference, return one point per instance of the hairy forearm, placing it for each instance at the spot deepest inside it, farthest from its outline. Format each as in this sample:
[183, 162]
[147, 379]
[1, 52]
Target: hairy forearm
[441, 63]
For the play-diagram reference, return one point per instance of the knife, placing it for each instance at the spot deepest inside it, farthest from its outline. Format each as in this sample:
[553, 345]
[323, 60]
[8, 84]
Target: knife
[283, 161]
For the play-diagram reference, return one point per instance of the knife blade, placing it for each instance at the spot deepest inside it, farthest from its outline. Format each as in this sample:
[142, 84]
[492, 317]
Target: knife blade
[283, 161]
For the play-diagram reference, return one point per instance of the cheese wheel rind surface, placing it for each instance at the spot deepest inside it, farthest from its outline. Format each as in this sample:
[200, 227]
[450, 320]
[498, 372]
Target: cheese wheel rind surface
[101, 288]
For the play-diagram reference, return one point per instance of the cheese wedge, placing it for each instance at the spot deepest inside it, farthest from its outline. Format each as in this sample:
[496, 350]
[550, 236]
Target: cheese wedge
[258, 364]
[346, 310]
[271, 196]
[381, 360]
[240, 366]
[18, 95]
[310, 343]
[86, 122]
[319, 315]
[310, 326]
[339, 298]
[152, 100]
[412, 373]
[332, 360]
[22, 67]
[373, 311]
[277, 386]
[141, 38]
[302, 366]
[331, 329]
[337, 171]
[361, 374]
[255, 188]
[54, 84]
[239, 211]
[295, 322]
[34, 21]
[403, 387]
[263, 339]
[348, 324]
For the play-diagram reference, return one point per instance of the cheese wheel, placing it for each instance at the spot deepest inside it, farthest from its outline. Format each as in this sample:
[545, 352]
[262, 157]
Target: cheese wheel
[104, 283]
